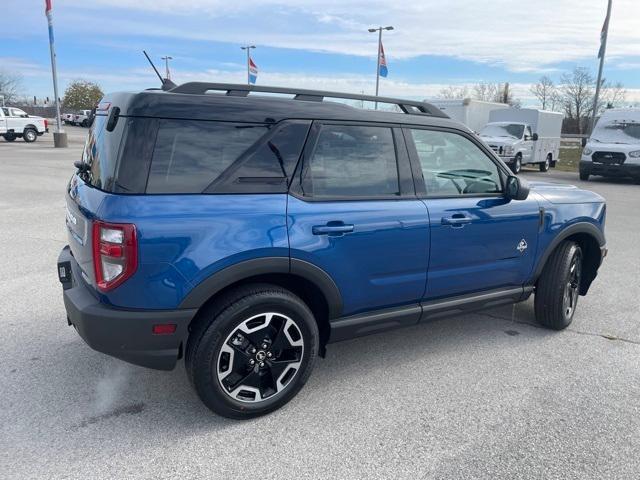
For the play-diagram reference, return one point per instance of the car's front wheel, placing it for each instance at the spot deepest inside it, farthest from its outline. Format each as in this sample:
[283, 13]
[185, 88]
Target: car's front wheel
[517, 164]
[558, 287]
[253, 351]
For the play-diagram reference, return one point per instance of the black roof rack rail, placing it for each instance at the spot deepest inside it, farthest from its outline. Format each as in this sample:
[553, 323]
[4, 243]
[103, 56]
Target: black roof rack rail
[241, 90]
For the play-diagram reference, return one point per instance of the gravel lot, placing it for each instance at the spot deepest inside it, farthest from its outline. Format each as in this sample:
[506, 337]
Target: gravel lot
[488, 395]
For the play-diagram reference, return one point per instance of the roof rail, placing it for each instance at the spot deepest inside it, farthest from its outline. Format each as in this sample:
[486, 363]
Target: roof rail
[242, 90]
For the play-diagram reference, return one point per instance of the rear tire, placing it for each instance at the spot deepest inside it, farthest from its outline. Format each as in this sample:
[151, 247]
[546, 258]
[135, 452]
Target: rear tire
[30, 135]
[558, 287]
[9, 137]
[232, 371]
[544, 167]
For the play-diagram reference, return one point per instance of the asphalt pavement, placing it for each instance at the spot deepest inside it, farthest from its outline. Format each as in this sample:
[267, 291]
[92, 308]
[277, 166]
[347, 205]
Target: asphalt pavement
[486, 395]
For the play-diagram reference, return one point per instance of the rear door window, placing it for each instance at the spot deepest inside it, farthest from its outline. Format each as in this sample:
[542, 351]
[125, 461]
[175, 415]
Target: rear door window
[190, 155]
[352, 161]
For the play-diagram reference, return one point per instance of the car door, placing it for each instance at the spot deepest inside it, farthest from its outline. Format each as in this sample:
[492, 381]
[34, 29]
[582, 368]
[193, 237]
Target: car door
[353, 212]
[4, 112]
[528, 145]
[480, 240]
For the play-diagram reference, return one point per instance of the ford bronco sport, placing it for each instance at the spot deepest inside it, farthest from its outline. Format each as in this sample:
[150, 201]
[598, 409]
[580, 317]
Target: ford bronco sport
[245, 232]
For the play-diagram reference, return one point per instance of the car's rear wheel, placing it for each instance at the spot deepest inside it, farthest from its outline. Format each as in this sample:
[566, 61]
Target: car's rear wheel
[30, 135]
[558, 287]
[252, 352]
[544, 166]
[9, 137]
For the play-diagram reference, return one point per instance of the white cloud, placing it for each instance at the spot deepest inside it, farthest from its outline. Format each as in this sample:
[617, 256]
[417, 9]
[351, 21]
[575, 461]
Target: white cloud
[521, 36]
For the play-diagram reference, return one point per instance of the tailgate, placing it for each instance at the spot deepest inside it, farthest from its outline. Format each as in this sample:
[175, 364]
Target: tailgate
[82, 203]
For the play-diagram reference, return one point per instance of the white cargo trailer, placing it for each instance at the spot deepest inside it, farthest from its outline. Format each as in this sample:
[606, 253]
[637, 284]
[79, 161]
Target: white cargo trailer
[524, 136]
[473, 113]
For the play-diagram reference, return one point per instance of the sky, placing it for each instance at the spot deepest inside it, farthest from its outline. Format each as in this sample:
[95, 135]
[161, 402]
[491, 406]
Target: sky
[321, 44]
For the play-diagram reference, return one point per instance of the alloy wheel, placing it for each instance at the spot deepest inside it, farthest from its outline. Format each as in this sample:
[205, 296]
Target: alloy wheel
[571, 289]
[260, 357]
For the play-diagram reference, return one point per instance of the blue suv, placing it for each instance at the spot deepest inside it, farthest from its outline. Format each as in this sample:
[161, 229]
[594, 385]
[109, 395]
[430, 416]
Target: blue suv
[244, 232]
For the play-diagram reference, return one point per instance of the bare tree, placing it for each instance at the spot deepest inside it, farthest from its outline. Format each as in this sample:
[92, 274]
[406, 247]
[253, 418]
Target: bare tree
[545, 91]
[10, 86]
[495, 92]
[454, 92]
[577, 95]
[611, 96]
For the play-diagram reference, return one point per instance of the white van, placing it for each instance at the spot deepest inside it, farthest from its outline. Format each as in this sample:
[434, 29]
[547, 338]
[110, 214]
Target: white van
[472, 113]
[524, 136]
[613, 149]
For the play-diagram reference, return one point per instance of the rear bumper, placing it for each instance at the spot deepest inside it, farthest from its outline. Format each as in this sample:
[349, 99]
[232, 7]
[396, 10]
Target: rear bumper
[124, 334]
[610, 170]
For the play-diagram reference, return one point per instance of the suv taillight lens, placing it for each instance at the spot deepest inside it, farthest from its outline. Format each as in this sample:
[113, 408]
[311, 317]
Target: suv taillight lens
[115, 253]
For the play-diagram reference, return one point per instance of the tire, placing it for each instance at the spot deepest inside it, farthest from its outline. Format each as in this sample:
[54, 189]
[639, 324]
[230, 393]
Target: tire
[9, 137]
[230, 334]
[558, 287]
[84, 123]
[517, 164]
[29, 135]
[544, 167]
[584, 176]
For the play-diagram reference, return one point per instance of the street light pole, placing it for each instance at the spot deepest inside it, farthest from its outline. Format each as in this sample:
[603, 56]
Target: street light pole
[166, 65]
[248, 49]
[379, 30]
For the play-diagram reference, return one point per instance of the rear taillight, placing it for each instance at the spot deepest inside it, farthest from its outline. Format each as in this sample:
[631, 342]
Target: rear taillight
[115, 253]
[46, 123]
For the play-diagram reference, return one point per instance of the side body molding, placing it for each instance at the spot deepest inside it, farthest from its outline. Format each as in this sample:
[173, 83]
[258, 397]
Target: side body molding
[264, 266]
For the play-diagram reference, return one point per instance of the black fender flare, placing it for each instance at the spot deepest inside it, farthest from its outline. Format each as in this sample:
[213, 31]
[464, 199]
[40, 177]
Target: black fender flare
[580, 227]
[202, 292]
[30, 126]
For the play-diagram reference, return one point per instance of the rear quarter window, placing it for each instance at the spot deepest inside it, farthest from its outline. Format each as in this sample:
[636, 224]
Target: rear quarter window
[189, 155]
[100, 153]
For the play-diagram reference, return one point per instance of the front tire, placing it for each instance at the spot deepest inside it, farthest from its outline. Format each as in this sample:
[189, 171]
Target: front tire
[30, 135]
[252, 352]
[558, 287]
[584, 176]
[517, 164]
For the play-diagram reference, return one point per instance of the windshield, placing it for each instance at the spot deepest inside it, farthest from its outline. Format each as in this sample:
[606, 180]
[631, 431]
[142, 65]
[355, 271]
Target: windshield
[508, 130]
[617, 132]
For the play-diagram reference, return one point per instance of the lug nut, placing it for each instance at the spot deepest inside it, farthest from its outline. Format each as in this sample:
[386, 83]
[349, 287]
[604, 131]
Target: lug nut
[253, 350]
[261, 364]
[264, 345]
[269, 354]
[252, 362]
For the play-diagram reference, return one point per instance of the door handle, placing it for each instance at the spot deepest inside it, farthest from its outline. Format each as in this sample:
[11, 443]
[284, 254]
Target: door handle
[333, 229]
[457, 220]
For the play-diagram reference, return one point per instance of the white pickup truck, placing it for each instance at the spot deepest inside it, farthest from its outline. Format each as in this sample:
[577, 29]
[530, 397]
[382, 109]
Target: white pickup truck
[16, 123]
[82, 118]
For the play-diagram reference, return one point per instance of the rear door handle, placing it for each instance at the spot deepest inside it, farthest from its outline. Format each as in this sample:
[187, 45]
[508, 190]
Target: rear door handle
[333, 229]
[457, 220]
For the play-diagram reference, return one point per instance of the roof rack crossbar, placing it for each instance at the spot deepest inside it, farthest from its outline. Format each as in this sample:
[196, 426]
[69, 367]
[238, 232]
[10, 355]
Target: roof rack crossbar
[407, 106]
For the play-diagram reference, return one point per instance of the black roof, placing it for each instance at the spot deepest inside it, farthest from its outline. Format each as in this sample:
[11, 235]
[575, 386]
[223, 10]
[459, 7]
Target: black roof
[244, 103]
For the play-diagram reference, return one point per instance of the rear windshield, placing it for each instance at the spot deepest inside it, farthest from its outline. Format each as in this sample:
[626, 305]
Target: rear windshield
[101, 154]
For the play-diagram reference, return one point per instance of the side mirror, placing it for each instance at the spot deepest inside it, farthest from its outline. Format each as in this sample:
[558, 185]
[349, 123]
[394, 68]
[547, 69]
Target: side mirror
[516, 188]
[534, 137]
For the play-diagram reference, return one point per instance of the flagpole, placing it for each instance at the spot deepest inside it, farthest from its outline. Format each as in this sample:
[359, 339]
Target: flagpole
[248, 49]
[379, 30]
[378, 63]
[59, 137]
[603, 49]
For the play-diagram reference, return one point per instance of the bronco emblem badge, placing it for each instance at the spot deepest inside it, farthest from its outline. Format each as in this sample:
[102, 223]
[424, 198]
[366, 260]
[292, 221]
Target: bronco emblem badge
[522, 246]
